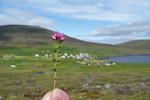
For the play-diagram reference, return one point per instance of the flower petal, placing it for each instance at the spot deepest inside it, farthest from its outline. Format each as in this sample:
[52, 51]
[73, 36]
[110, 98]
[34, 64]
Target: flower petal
[57, 35]
[62, 39]
[61, 35]
[53, 37]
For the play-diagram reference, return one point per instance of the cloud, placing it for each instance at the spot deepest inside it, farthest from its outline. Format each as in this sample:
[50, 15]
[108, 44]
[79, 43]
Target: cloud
[116, 40]
[123, 32]
[134, 29]
[101, 10]
[38, 12]
[16, 16]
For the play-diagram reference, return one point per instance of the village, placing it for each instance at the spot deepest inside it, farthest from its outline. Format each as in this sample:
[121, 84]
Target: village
[82, 58]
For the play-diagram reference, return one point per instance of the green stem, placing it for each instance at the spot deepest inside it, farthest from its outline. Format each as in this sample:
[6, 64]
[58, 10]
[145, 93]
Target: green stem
[55, 65]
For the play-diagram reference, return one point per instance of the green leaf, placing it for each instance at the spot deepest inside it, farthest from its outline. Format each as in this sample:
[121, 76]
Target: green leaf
[59, 51]
[53, 55]
[54, 47]
[57, 59]
[54, 44]
[58, 63]
[54, 69]
[53, 59]
[54, 50]
[59, 54]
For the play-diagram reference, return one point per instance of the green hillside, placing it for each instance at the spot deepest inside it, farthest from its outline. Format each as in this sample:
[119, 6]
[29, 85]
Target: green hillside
[21, 34]
[139, 44]
[28, 40]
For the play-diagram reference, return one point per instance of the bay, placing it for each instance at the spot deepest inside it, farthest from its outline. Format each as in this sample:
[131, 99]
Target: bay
[130, 59]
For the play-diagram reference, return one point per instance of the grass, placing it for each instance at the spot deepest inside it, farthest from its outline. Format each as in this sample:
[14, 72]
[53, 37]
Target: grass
[21, 83]
[18, 45]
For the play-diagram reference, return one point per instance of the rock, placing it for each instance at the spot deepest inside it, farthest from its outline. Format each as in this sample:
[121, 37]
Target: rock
[31, 81]
[24, 95]
[80, 97]
[76, 68]
[2, 98]
[144, 78]
[107, 86]
[85, 85]
[88, 80]
[98, 86]
[18, 82]
[142, 84]
[38, 91]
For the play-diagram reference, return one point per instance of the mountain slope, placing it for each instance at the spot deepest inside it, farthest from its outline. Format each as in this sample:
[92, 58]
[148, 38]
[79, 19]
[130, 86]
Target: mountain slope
[23, 34]
[29, 35]
[33, 36]
[136, 44]
[28, 39]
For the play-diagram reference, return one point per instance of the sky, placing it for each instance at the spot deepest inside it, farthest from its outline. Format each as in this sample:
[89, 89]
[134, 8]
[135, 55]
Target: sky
[99, 21]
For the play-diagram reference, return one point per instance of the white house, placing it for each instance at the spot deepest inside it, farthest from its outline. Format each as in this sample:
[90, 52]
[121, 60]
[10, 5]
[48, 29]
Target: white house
[110, 63]
[36, 55]
[65, 54]
[13, 66]
[62, 57]
[46, 55]
[68, 56]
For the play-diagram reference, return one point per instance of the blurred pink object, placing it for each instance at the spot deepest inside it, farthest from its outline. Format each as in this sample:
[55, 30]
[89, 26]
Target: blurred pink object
[53, 37]
[58, 35]
[56, 94]
[62, 39]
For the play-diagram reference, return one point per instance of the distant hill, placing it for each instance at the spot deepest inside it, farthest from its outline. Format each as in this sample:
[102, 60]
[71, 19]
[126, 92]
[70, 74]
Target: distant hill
[23, 34]
[32, 36]
[29, 35]
[136, 44]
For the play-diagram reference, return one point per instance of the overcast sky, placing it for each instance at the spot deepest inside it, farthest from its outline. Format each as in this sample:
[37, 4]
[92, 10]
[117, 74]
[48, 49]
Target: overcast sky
[101, 21]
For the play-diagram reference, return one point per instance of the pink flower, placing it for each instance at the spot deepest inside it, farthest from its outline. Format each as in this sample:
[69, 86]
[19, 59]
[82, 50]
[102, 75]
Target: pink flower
[56, 94]
[53, 37]
[62, 39]
[58, 35]
[61, 35]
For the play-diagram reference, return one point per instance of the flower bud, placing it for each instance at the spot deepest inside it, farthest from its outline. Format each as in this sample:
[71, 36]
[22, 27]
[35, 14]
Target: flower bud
[61, 35]
[53, 37]
[62, 39]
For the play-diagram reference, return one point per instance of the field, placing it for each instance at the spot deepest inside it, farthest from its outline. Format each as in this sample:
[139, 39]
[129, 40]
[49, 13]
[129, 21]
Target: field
[32, 76]
[31, 79]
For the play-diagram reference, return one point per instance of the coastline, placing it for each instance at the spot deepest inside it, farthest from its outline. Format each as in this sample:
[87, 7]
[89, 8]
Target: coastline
[123, 55]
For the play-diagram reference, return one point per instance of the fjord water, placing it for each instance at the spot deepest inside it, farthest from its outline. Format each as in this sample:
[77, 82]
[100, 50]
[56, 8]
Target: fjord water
[131, 59]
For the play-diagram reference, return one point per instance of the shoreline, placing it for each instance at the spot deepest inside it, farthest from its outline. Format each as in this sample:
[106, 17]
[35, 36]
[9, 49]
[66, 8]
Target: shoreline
[123, 55]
